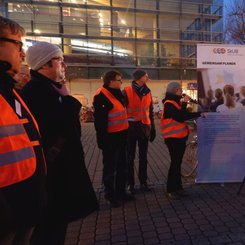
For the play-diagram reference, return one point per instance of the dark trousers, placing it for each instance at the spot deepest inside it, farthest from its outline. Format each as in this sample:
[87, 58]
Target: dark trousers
[176, 149]
[134, 137]
[19, 237]
[114, 171]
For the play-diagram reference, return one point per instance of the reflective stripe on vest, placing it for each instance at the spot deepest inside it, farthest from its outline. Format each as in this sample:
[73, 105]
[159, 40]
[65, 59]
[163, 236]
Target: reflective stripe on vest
[11, 130]
[117, 117]
[171, 128]
[17, 157]
[138, 109]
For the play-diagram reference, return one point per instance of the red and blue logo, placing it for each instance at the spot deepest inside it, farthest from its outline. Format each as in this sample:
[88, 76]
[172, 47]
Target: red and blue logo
[219, 50]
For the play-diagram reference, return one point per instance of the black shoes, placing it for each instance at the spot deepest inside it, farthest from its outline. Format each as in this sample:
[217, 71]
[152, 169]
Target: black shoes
[126, 197]
[113, 202]
[131, 189]
[117, 202]
[145, 188]
[176, 195]
[172, 196]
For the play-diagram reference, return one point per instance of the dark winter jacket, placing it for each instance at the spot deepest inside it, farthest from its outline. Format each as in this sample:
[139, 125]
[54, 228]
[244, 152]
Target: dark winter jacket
[102, 106]
[70, 192]
[22, 204]
[170, 111]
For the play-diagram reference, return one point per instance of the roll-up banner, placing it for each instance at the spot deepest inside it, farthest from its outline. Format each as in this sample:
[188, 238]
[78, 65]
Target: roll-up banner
[221, 92]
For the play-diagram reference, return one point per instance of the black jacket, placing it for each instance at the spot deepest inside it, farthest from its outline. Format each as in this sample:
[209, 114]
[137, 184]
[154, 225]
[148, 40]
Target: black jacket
[22, 204]
[170, 111]
[102, 106]
[71, 195]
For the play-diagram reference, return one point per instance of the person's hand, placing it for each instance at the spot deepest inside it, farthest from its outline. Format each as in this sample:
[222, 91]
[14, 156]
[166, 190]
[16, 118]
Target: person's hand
[185, 98]
[204, 114]
[152, 134]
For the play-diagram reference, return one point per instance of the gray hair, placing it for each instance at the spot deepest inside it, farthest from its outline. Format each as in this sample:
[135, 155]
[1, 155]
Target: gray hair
[172, 87]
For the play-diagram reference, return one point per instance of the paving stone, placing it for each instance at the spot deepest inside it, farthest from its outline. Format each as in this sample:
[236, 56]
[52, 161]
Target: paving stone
[134, 240]
[238, 236]
[152, 241]
[86, 242]
[220, 239]
[210, 215]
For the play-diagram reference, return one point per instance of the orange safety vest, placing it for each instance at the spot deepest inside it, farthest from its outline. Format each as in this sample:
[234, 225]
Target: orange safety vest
[171, 128]
[17, 157]
[137, 109]
[117, 117]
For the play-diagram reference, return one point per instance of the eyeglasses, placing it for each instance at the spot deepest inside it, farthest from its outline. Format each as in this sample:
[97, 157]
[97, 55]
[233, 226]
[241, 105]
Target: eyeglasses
[59, 59]
[19, 43]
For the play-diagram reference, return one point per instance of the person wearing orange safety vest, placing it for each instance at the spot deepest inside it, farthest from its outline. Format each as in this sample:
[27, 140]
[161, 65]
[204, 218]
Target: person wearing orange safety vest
[22, 163]
[111, 127]
[141, 126]
[175, 132]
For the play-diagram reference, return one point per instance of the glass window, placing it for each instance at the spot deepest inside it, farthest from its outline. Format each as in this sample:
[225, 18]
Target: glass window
[146, 48]
[146, 4]
[169, 74]
[89, 2]
[188, 49]
[169, 34]
[169, 50]
[190, 23]
[99, 22]
[124, 52]
[21, 12]
[89, 52]
[97, 72]
[188, 7]
[123, 24]
[95, 2]
[169, 6]
[153, 73]
[169, 22]
[146, 53]
[190, 75]
[75, 72]
[146, 25]
[123, 4]
[45, 18]
[45, 13]
[46, 27]
[74, 21]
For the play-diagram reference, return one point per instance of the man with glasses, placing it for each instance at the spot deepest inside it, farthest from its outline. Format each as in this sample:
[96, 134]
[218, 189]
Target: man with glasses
[111, 130]
[70, 192]
[22, 164]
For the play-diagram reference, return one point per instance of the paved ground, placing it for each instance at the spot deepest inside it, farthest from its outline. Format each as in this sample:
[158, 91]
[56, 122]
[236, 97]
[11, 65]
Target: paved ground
[212, 213]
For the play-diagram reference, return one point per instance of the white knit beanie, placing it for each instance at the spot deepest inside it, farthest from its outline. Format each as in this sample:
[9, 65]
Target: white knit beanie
[172, 87]
[40, 53]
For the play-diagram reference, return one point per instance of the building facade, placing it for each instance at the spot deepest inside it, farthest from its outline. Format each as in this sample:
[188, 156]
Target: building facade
[159, 36]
